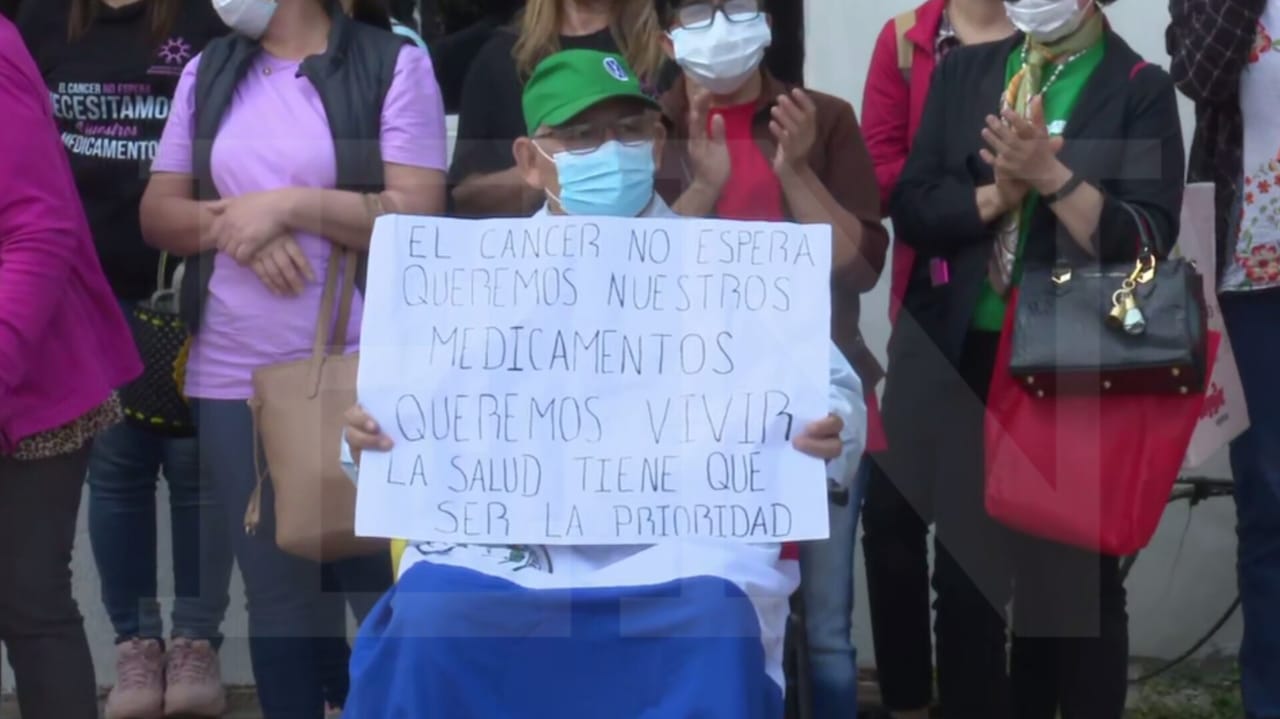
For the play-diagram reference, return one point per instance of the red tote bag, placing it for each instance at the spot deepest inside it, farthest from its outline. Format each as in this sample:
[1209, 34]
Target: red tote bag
[1090, 471]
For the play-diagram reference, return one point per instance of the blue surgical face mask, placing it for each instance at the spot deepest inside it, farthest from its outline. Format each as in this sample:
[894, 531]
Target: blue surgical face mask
[614, 180]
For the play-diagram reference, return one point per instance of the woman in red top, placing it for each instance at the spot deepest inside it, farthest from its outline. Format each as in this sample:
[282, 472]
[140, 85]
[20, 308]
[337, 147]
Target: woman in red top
[896, 513]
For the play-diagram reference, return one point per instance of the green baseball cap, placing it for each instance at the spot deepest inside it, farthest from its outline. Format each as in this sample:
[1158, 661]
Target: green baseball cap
[571, 81]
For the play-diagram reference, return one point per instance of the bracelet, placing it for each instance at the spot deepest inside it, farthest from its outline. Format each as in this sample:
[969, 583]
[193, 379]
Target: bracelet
[1068, 187]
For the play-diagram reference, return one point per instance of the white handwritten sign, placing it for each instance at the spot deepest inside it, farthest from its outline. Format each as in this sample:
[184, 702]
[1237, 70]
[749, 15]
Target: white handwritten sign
[594, 381]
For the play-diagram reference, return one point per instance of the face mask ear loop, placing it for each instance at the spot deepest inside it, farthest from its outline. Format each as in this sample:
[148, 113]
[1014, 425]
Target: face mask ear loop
[556, 200]
[552, 160]
[542, 152]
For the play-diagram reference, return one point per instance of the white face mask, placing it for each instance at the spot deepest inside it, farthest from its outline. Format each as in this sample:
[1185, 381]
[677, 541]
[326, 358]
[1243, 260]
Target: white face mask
[723, 56]
[247, 17]
[1046, 20]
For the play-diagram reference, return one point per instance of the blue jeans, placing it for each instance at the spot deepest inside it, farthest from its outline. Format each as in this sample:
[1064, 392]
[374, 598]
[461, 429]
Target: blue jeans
[1253, 321]
[297, 608]
[123, 472]
[826, 578]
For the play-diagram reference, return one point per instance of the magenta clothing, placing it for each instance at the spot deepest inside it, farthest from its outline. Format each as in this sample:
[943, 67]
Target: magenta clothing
[275, 135]
[64, 346]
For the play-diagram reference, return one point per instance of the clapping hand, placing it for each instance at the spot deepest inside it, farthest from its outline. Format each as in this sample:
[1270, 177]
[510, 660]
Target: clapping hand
[708, 149]
[1021, 150]
[794, 125]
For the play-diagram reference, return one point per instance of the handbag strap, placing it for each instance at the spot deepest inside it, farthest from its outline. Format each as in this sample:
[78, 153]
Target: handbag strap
[160, 271]
[1146, 240]
[331, 335]
[350, 263]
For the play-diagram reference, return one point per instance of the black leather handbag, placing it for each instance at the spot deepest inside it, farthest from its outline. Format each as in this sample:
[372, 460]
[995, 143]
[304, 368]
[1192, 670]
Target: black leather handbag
[1132, 328]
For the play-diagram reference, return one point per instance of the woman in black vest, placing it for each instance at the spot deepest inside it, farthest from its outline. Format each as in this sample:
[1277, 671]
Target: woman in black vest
[1090, 136]
[250, 176]
[111, 69]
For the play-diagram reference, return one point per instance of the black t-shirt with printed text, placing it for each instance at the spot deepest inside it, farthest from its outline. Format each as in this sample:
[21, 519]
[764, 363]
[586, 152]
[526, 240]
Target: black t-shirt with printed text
[111, 91]
[491, 116]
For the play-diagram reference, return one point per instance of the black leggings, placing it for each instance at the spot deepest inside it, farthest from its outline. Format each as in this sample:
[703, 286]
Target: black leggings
[1070, 644]
[1070, 654]
[40, 624]
[896, 556]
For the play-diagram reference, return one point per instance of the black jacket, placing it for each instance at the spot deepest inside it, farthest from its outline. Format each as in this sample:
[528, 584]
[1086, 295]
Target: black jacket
[1124, 137]
[352, 78]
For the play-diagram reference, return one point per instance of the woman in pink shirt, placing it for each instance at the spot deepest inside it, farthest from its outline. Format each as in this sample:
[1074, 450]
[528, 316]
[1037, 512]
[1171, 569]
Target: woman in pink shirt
[64, 348]
[257, 189]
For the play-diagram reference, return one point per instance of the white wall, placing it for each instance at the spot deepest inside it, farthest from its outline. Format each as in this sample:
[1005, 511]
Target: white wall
[1186, 579]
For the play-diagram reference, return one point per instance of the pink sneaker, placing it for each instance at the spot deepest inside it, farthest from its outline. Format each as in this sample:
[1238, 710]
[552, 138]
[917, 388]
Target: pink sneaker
[139, 689]
[195, 681]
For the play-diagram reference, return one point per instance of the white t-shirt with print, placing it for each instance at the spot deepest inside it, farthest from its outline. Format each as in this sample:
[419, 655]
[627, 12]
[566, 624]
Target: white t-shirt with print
[1255, 263]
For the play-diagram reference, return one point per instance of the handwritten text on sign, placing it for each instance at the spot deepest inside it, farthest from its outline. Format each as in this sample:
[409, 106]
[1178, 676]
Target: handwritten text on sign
[603, 381]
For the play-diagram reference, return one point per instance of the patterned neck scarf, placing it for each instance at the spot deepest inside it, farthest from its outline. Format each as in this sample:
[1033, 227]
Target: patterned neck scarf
[1028, 83]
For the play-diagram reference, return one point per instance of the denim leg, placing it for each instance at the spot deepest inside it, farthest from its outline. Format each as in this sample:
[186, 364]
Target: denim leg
[363, 580]
[1258, 567]
[123, 470]
[1255, 464]
[284, 592]
[360, 583]
[202, 558]
[826, 572]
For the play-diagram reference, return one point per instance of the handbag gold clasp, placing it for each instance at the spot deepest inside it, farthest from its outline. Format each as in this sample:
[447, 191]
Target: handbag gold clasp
[1061, 274]
[1144, 270]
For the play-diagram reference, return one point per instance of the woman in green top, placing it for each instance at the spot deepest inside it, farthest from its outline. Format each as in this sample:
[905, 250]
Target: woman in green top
[1030, 149]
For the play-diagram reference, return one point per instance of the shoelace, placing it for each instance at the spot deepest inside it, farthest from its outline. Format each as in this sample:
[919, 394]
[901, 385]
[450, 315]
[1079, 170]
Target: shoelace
[136, 669]
[190, 663]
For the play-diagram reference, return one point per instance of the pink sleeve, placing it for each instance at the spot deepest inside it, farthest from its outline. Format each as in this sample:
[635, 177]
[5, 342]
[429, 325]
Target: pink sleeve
[413, 130]
[174, 152]
[42, 226]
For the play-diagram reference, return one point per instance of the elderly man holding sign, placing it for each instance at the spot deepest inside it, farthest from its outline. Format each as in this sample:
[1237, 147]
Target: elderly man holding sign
[589, 415]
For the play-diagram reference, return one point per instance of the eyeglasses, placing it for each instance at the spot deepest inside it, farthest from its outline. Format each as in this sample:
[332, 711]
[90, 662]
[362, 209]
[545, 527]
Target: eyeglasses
[700, 15]
[584, 138]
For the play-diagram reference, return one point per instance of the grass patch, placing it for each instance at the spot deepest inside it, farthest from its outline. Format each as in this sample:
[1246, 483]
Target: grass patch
[1201, 690]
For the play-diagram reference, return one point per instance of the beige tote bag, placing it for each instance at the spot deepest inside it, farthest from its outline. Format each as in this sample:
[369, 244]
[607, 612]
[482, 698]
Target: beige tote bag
[298, 412]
